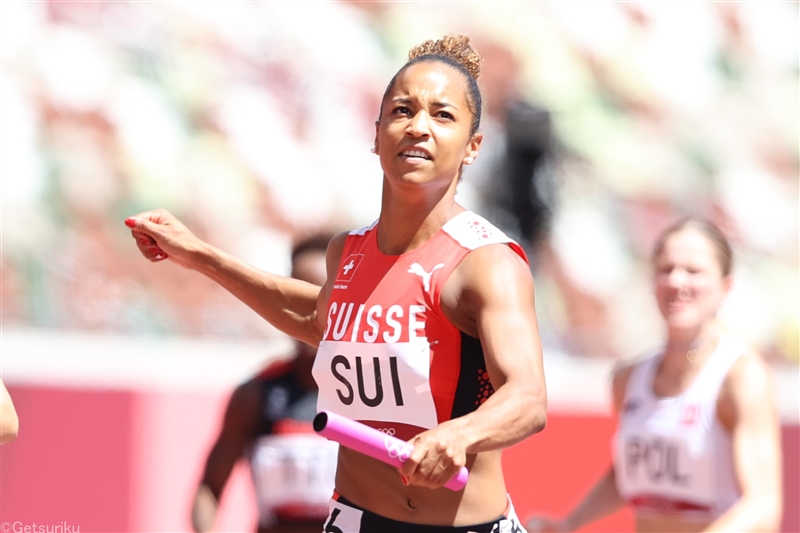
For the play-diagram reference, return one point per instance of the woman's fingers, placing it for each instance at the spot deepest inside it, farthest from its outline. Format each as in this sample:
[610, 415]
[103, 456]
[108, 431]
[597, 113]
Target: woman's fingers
[143, 238]
[148, 248]
[154, 231]
[153, 253]
[431, 464]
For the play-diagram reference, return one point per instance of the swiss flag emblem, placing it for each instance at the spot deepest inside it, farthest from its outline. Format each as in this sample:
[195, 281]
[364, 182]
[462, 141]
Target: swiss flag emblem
[348, 267]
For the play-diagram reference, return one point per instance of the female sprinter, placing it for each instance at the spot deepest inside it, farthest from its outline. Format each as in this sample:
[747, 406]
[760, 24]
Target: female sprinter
[426, 324]
[698, 444]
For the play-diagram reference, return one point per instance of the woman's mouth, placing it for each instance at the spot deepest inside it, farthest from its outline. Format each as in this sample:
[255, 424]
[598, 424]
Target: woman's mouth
[415, 155]
[675, 306]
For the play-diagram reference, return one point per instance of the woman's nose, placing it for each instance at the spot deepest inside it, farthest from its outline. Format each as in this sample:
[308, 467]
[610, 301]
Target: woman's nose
[419, 125]
[677, 277]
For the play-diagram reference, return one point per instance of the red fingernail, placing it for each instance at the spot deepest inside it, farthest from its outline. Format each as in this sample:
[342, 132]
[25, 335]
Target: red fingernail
[130, 222]
[144, 241]
[404, 479]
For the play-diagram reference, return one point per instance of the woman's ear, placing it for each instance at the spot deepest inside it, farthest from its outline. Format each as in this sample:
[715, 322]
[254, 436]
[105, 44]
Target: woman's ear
[473, 147]
[727, 284]
[374, 149]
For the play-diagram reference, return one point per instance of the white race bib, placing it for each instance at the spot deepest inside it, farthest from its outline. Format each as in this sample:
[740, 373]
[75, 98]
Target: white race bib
[387, 382]
[294, 470]
[661, 465]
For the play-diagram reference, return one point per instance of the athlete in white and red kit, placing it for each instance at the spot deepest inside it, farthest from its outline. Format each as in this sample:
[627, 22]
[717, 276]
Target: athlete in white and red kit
[698, 443]
[426, 324]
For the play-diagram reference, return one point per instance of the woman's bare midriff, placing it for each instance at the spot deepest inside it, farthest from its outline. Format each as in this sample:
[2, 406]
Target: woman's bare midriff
[376, 487]
[668, 524]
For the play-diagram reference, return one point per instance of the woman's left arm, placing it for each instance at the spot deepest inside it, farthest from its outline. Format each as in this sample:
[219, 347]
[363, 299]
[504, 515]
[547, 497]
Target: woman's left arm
[496, 301]
[747, 408]
[490, 296]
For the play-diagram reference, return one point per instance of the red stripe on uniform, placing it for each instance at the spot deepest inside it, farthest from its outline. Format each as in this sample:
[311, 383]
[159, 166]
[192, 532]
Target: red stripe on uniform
[666, 505]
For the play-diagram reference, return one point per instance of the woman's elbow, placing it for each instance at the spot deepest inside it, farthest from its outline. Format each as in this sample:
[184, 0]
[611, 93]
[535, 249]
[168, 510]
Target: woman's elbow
[767, 513]
[537, 413]
[540, 420]
[772, 512]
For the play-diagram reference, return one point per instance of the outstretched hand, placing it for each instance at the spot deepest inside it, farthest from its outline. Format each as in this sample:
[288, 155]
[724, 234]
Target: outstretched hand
[159, 236]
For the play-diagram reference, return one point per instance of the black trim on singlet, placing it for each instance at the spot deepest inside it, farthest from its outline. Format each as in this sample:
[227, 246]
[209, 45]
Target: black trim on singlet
[473, 381]
[278, 397]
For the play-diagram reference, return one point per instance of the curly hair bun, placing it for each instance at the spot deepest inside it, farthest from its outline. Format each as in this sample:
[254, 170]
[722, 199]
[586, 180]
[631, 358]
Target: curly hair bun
[455, 47]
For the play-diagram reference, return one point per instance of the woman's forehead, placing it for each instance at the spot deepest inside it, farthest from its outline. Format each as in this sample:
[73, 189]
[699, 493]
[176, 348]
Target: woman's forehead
[430, 78]
[688, 242]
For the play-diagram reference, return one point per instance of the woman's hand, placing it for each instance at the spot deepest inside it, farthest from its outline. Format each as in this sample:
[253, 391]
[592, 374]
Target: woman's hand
[159, 235]
[438, 455]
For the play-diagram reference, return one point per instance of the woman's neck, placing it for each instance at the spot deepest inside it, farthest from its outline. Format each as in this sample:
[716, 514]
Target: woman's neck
[690, 349]
[407, 221]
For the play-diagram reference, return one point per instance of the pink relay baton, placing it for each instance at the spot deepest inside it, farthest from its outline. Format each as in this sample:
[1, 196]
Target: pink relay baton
[373, 443]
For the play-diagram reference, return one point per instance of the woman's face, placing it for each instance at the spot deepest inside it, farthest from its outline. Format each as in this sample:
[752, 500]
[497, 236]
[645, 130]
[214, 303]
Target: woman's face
[423, 135]
[689, 284]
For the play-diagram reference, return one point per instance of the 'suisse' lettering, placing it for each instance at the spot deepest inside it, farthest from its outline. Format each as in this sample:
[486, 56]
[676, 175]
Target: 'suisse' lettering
[375, 324]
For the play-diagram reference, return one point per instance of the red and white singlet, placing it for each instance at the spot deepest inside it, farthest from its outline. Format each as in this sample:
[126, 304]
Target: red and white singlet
[672, 455]
[389, 358]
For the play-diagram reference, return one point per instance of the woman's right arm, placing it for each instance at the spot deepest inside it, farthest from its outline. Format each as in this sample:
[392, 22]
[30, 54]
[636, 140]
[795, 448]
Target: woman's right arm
[603, 499]
[288, 304]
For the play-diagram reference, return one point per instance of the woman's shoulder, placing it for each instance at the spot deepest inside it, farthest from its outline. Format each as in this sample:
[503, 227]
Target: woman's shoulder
[620, 377]
[474, 232]
[742, 358]
[748, 364]
[337, 243]
[747, 383]
[493, 268]
[732, 342]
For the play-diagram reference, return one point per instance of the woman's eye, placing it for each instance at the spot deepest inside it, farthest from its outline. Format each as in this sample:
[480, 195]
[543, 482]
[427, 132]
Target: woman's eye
[401, 110]
[446, 115]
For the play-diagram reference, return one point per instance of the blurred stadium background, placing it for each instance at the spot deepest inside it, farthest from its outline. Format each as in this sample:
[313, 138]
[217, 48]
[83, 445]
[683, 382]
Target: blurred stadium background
[252, 121]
